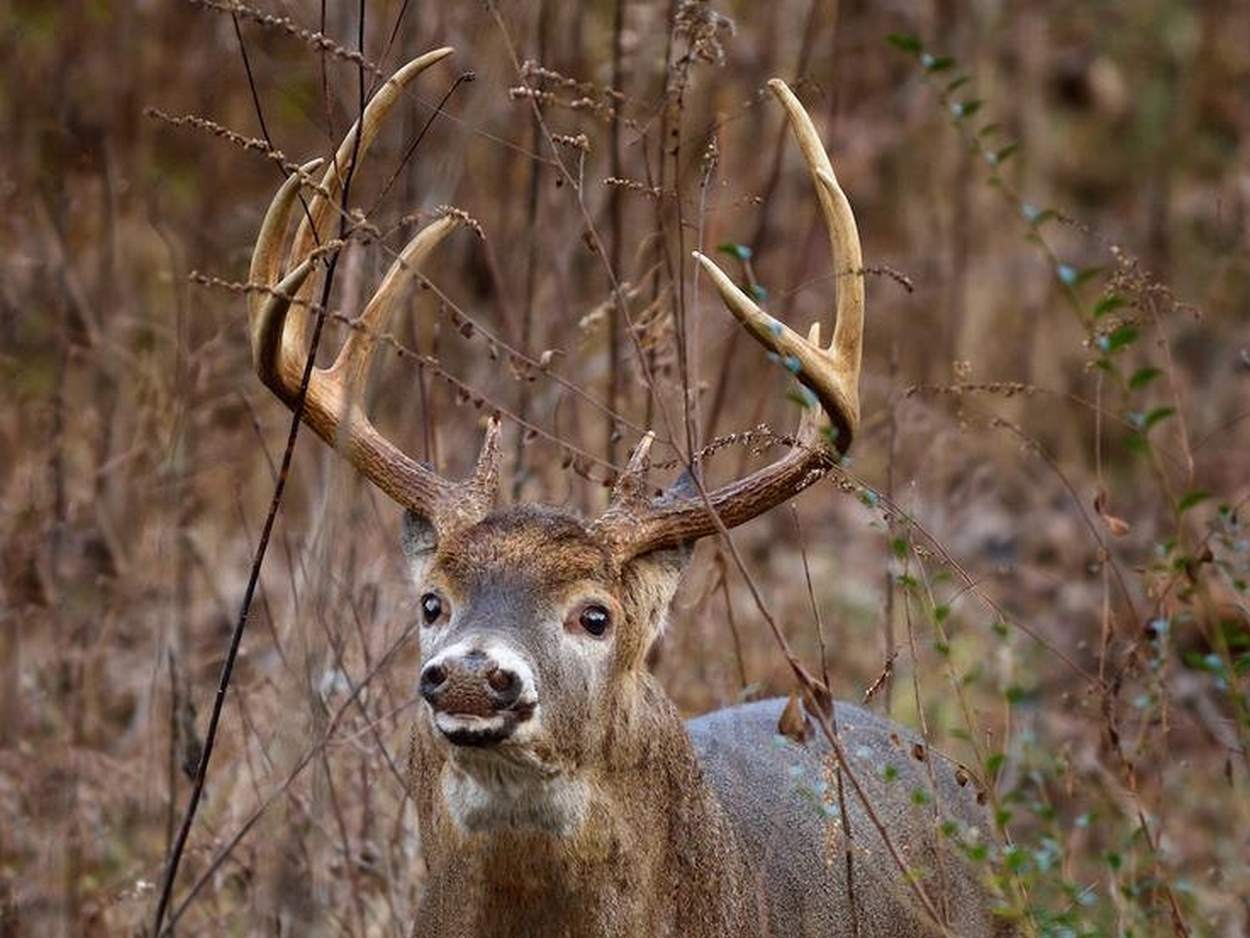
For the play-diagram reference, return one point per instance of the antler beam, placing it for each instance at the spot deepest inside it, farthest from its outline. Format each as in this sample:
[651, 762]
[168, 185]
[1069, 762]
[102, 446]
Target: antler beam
[332, 401]
[831, 373]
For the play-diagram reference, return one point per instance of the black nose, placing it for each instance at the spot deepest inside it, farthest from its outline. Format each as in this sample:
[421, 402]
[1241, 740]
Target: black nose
[432, 678]
[471, 684]
[505, 687]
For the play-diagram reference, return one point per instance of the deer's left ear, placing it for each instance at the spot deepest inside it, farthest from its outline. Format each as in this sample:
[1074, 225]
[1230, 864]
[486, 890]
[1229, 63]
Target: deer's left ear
[654, 577]
[420, 540]
[656, 574]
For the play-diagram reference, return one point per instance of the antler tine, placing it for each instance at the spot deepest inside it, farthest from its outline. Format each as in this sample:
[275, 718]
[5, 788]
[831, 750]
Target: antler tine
[267, 328]
[321, 208]
[350, 367]
[265, 263]
[831, 374]
[267, 255]
[330, 403]
[484, 483]
[630, 487]
[847, 340]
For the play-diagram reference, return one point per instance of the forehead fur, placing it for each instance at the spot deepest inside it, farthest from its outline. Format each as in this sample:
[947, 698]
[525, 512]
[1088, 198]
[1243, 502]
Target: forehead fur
[529, 540]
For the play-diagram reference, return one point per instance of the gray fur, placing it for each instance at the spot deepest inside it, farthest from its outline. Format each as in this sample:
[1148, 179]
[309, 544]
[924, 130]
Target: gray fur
[765, 783]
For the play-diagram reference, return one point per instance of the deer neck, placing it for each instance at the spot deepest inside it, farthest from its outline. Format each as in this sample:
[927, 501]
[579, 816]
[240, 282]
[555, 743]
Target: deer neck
[653, 852]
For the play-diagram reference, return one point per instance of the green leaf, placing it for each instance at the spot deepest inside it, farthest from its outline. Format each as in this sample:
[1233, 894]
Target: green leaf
[739, 251]
[759, 292]
[936, 63]
[1190, 499]
[1155, 415]
[1016, 694]
[1034, 215]
[963, 109]
[1120, 337]
[1110, 302]
[998, 157]
[898, 547]
[958, 83]
[1143, 376]
[1085, 274]
[1017, 860]
[989, 129]
[905, 42]
[801, 396]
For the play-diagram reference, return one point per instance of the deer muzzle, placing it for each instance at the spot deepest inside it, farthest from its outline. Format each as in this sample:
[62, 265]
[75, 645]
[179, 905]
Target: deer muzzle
[478, 697]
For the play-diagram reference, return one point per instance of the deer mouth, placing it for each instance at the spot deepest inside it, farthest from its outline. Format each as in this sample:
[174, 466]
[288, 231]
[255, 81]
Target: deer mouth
[475, 731]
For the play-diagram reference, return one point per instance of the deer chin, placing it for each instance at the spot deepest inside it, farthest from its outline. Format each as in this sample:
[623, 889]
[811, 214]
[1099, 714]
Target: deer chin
[511, 787]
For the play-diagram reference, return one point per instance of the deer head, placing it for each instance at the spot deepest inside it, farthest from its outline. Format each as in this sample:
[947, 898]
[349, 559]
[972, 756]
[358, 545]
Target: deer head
[535, 622]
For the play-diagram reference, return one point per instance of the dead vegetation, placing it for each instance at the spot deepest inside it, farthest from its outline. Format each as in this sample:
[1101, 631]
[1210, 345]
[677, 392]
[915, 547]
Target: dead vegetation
[1036, 554]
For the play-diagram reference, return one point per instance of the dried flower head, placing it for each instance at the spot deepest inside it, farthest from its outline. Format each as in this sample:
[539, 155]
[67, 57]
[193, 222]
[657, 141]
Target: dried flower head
[704, 31]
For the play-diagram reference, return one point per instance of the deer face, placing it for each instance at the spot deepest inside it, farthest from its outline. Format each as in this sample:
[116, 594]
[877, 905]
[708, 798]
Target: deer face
[532, 640]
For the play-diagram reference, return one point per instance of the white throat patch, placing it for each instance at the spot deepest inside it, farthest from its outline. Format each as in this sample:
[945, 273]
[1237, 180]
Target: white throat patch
[485, 793]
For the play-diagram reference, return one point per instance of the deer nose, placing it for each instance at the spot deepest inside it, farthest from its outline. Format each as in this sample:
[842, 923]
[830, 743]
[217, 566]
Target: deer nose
[473, 684]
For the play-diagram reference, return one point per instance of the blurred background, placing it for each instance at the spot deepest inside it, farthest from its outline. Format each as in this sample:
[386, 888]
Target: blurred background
[1035, 552]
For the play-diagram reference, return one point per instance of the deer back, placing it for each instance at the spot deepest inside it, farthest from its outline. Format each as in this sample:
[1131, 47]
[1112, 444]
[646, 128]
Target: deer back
[784, 803]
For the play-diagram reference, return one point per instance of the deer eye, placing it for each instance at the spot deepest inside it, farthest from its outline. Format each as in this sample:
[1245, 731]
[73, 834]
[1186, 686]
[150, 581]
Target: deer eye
[595, 619]
[431, 608]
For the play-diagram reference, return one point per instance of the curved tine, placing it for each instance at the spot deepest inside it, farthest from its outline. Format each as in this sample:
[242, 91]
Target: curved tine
[266, 256]
[846, 343]
[307, 235]
[350, 368]
[807, 361]
[631, 486]
[268, 325]
[831, 374]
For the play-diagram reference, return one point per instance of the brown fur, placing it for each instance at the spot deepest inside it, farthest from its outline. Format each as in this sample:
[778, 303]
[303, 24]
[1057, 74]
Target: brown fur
[657, 847]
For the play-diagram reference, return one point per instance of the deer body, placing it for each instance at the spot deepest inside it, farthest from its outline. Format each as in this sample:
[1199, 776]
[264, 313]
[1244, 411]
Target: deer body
[604, 814]
[702, 842]
[558, 792]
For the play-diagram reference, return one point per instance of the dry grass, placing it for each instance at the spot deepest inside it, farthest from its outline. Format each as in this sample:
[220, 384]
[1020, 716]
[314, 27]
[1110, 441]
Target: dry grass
[1038, 530]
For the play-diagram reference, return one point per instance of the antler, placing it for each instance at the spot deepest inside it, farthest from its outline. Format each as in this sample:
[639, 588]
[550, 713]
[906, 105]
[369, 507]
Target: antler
[332, 401]
[634, 524]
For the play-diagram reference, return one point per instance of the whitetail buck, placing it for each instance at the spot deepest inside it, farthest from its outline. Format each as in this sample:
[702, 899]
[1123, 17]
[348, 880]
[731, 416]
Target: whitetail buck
[558, 792]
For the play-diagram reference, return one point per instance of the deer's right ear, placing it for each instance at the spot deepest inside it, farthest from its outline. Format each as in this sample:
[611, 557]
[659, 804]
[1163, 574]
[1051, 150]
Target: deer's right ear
[420, 540]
